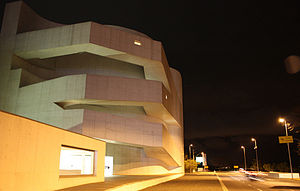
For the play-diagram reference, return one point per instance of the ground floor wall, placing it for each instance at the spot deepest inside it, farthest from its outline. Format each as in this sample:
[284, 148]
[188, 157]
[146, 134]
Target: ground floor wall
[30, 155]
[132, 160]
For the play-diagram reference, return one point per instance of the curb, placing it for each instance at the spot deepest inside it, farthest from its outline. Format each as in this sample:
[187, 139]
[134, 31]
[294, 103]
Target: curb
[144, 184]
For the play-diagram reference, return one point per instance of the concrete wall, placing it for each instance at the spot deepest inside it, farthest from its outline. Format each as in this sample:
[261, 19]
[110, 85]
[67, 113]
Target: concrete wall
[122, 129]
[30, 153]
[132, 160]
[282, 175]
[176, 76]
[122, 89]
[120, 40]
[37, 101]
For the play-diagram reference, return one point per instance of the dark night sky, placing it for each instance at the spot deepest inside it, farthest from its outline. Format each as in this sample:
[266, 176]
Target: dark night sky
[230, 55]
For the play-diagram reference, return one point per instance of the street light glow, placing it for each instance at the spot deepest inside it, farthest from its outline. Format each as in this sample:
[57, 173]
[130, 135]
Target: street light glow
[191, 145]
[252, 139]
[242, 147]
[281, 120]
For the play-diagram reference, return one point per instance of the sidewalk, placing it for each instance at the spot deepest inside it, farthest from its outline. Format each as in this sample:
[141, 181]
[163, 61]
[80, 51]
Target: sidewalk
[120, 183]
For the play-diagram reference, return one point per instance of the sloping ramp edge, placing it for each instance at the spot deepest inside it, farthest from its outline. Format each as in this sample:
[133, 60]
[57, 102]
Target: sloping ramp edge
[144, 184]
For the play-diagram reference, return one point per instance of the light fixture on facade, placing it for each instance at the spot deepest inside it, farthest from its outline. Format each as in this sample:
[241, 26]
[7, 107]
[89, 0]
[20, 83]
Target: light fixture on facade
[137, 42]
[166, 97]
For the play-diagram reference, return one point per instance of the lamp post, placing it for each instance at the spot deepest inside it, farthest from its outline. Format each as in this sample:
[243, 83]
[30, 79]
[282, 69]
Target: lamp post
[193, 154]
[255, 148]
[190, 153]
[244, 149]
[282, 120]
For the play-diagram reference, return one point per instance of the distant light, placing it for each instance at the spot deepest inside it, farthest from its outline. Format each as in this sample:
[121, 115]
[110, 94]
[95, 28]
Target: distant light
[199, 159]
[281, 120]
[252, 139]
[166, 97]
[191, 145]
[242, 147]
[137, 42]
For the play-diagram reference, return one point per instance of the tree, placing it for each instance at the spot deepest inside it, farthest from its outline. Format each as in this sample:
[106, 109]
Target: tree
[253, 165]
[267, 167]
[282, 167]
[190, 165]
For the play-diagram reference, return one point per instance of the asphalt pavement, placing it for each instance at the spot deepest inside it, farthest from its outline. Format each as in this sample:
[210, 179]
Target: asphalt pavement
[225, 181]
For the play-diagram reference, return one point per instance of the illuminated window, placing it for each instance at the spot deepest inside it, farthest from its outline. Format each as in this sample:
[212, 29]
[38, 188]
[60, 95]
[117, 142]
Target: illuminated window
[75, 161]
[137, 42]
[199, 159]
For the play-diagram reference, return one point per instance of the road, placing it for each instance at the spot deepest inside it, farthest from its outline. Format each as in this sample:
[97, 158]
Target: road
[225, 181]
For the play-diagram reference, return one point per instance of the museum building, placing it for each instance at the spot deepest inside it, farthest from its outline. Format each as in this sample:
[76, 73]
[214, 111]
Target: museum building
[83, 101]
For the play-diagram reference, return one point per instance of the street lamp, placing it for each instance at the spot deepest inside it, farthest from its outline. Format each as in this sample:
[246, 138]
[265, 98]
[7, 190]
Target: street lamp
[193, 154]
[255, 148]
[244, 149]
[282, 120]
[190, 152]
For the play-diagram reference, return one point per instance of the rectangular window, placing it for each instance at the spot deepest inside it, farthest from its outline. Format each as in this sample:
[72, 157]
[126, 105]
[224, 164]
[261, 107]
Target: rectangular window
[75, 161]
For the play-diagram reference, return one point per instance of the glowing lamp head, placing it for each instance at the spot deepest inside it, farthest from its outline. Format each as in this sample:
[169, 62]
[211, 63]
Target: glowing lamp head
[252, 139]
[191, 145]
[242, 147]
[281, 120]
